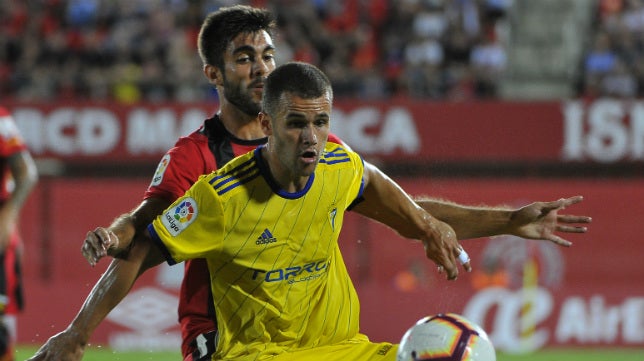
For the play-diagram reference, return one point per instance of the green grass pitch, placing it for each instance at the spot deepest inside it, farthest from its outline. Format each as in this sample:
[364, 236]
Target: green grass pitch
[626, 354]
[104, 354]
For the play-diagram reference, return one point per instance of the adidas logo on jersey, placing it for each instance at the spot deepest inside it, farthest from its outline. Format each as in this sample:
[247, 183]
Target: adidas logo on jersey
[265, 238]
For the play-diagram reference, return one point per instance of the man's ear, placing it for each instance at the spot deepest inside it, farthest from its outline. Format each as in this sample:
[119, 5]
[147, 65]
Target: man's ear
[265, 121]
[213, 74]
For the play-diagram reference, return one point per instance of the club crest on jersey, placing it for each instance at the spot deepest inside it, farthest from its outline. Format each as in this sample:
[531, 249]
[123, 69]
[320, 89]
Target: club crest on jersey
[178, 218]
[158, 174]
[332, 215]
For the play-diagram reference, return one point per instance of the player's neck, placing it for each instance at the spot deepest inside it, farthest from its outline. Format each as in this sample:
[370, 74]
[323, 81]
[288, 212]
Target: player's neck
[240, 124]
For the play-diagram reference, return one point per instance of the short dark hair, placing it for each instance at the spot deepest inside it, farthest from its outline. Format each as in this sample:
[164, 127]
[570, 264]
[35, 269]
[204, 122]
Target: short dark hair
[298, 78]
[222, 26]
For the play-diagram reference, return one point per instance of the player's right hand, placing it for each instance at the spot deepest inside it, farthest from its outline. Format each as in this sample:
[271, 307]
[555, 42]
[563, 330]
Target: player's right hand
[64, 346]
[96, 244]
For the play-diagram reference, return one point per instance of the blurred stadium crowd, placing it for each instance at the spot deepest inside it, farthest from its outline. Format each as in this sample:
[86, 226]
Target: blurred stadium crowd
[614, 62]
[145, 50]
[131, 50]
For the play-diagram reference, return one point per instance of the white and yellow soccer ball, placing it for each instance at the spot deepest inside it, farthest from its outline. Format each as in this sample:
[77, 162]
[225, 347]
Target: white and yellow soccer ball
[446, 337]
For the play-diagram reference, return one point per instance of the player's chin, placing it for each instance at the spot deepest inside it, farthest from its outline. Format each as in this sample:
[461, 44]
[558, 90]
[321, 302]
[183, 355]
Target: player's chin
[308, 168]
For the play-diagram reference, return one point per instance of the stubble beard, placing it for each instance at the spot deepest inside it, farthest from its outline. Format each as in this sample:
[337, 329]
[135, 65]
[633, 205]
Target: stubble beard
[242, 100]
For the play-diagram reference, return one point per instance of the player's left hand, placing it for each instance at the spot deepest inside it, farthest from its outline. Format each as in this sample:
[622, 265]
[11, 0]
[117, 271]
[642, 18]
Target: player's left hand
[540, 220]
[64, 346]
[97, 243]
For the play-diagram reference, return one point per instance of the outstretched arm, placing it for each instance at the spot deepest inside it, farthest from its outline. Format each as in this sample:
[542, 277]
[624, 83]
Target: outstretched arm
[385, 202]
[110, 289]
[538, 220]
[25, 176]
[113, 285]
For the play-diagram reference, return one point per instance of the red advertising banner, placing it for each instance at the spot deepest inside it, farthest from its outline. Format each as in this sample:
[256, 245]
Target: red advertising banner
[605, 131]
[526, 294]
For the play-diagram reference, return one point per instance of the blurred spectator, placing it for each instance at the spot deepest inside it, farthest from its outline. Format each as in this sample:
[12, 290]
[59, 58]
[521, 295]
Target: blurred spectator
[140, 50]
[613, 64]
[488, 61]
[633, 16]
[599, 61]
[461, 83]
[608, 8]
[619, 82]
[602, 58]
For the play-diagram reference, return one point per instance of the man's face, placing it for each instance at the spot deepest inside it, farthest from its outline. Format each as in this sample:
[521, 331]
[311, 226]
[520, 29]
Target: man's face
[248, 60]
[300, 131]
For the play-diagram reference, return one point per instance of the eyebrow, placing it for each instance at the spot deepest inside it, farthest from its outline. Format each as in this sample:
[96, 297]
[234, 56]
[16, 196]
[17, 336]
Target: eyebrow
[250, 49]
[295, 116]
[298, 115]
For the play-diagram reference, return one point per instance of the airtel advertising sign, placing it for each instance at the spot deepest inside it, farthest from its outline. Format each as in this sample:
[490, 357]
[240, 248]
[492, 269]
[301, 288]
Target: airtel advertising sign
[580, 321]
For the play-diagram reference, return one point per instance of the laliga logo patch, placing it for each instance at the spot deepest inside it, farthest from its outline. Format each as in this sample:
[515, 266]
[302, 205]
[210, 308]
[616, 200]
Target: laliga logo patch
[158, 174]
[180, 217]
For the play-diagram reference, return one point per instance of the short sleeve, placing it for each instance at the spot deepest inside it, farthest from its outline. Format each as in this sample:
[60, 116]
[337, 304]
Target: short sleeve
[192, 227]
[179, 168]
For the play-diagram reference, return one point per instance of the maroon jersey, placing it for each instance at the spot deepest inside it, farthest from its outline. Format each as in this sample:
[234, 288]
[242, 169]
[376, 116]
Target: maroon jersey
[201, 152]
[11, 295]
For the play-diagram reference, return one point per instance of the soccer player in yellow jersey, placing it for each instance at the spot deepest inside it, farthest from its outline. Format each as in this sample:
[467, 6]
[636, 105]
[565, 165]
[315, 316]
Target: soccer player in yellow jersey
[236, 46]
[268, 224]
[278, 280]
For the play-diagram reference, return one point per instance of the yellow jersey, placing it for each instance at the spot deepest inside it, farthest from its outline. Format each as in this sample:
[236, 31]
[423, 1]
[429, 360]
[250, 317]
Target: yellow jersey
[278, 279]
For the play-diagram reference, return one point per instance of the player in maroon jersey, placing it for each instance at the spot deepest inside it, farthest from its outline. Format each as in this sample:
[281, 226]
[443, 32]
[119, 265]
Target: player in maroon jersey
[18, 176]
[236, 47]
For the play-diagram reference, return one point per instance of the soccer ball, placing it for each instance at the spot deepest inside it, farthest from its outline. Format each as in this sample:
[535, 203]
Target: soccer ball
[445, 337]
